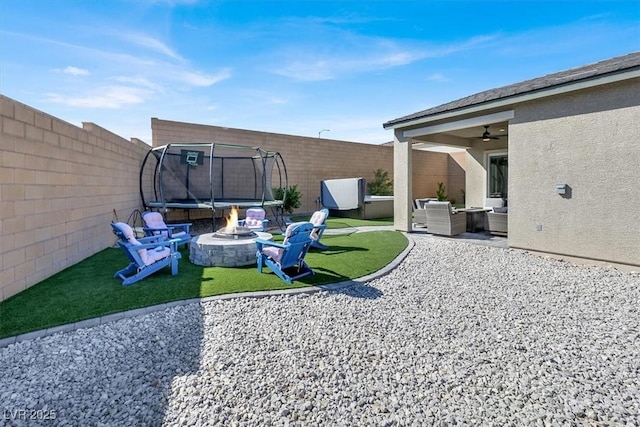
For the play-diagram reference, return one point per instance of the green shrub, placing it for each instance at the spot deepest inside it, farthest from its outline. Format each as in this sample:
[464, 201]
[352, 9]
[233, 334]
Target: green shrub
[381, 184]
[441, 192]
[292, 198]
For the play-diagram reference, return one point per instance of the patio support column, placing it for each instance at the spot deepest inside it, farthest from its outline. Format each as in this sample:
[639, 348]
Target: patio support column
[402, 177]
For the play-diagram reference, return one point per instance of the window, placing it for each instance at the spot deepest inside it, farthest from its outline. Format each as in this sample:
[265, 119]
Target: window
[498, 175]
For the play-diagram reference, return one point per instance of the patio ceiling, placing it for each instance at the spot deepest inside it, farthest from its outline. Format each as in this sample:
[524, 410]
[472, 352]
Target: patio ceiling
[456, 132]
[462, 138]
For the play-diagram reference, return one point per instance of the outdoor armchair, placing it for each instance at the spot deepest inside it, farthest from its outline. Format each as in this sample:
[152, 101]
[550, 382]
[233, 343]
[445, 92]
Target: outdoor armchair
[255, 219]
[286, 259]
[146, 255]
[442, 219]
[155, 226]
[318, 219]
[497, 222]
[419, 213]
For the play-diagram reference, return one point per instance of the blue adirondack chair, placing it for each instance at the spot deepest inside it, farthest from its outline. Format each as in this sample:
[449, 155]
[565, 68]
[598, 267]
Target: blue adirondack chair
[318, 220]
[155, 226]
[286, 259]
[255, 219]
[146, 255]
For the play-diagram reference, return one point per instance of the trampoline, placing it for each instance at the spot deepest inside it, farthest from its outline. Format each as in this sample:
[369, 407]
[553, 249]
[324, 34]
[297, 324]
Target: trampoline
[210, 176]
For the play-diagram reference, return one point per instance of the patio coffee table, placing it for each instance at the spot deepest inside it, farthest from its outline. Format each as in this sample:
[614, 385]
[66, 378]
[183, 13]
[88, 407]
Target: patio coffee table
[475, 218]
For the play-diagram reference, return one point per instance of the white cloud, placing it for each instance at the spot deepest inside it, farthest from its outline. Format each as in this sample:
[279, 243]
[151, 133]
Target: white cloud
[328, 66]
[277, 100]
[195, 78]
[109, 97]
[308, 70]
[75, 71]
[437, 77]
[400, 58]
[152, 43]
[327, 53]
[139, 81]
[360, 55]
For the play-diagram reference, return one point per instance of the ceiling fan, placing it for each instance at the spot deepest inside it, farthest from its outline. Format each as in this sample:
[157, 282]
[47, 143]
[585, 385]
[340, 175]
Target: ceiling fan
[486, 136]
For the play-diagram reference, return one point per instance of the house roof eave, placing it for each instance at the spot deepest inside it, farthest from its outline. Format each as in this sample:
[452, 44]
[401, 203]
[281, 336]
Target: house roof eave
[518, 93]
[514, 99]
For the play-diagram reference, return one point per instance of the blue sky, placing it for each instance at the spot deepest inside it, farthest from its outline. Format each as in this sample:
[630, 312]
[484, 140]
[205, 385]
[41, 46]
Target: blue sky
[294, 67]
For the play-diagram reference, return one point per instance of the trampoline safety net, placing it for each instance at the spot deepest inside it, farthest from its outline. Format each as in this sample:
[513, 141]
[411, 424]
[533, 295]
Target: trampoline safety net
[210, 176]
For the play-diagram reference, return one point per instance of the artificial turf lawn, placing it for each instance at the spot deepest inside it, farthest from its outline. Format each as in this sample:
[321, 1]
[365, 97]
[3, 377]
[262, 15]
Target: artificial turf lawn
[335, 222]
[88, 289]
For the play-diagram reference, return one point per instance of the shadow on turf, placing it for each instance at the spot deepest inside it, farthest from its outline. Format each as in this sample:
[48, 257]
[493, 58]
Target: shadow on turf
[335, 249]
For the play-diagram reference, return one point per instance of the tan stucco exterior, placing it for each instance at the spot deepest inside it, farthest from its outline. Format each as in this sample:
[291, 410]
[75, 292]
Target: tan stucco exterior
[402, 185]
[589, 140]
[587, 137]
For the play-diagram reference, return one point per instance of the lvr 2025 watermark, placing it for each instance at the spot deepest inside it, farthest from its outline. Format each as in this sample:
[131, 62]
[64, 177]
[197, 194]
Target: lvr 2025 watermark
[29, 414]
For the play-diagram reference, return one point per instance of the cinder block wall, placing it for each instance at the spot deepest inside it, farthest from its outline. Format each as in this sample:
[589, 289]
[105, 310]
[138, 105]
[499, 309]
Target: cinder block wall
[430, 168]
[59, 185]
[311, 160]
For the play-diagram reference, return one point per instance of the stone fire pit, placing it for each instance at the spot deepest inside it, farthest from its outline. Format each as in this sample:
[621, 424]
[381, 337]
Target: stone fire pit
[220, 250]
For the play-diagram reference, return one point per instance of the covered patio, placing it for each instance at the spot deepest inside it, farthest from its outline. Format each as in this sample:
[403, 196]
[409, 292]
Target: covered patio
[485, 140]
[545, 146]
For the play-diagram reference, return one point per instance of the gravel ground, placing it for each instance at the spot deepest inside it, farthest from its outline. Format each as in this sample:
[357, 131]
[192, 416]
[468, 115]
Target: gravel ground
[458, 334]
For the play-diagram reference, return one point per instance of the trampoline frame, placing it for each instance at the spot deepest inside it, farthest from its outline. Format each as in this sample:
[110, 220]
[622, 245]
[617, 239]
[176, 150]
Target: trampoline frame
[163, 205]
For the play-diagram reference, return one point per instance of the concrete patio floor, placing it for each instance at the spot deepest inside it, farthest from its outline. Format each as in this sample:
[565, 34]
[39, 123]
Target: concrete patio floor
[479, 238]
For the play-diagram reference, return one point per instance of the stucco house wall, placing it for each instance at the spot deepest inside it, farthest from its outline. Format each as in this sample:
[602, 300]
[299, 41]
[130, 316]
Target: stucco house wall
[579, 127]
[588, 140]
[456, 176]
[59, 186]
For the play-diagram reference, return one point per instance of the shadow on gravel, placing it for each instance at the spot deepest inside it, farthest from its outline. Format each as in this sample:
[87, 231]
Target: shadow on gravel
[119, 373]
[165, 346]
[356, 289]
[182, 357]
[360, 290]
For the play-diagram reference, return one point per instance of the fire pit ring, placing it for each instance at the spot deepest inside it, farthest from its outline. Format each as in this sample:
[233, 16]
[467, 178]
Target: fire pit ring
[235, 233]
[216, 250]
